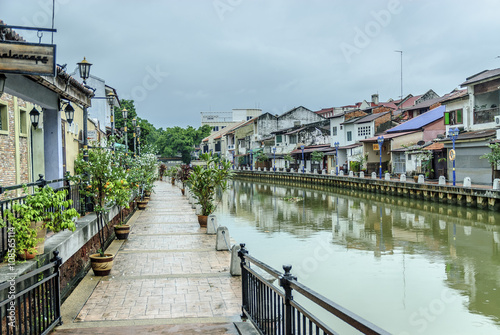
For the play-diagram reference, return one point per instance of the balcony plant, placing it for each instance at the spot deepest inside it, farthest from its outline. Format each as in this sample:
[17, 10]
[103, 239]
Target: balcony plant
[204, 181]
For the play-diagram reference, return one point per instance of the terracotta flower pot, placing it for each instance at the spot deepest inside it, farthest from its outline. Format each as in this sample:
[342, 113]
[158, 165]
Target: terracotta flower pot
[101, 265]
[26, 255]
[183, 191]
[41, 231]
[122, 231]
[202, 220]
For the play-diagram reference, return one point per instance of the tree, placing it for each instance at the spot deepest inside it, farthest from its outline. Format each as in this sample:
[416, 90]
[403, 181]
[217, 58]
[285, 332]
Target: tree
[178, 141]
[494, 156]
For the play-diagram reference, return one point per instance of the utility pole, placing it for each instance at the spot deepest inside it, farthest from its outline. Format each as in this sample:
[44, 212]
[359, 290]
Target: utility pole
[401, 53]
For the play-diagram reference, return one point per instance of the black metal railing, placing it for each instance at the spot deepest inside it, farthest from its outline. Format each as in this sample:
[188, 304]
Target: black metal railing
[31, 303]
[73, 194]
[273, 309]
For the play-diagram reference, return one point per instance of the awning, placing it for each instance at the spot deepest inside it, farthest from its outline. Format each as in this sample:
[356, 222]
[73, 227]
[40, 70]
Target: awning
[323, 148]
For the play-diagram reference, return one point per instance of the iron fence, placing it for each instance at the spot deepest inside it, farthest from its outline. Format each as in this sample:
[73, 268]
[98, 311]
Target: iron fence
[57, 184]
[31, 303]
[274, 311]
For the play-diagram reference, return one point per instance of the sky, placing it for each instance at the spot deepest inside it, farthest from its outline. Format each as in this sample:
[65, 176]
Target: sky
[177, 58]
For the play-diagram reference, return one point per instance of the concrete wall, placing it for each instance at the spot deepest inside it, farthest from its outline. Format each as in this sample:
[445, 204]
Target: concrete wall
[52, 144]
[100, 109]
[299, 114]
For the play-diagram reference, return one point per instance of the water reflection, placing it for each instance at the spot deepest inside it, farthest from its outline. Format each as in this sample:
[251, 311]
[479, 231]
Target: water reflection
[423, 250]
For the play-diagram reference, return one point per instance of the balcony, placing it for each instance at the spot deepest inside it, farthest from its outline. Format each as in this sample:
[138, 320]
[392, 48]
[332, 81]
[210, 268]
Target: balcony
[485, 115]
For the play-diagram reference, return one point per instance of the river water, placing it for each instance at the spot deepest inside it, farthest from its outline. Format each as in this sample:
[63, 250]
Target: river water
[408, 266]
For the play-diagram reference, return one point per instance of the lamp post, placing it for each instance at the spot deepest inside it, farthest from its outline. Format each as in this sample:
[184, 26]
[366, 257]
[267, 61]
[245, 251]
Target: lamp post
[124, 115]
[336, 144]
[274, 158]
[380, 141]
[134, 122]
[303, 161]
[84, 69]
[453, 134]
[251, 160]
[111, 101]
[138, 140]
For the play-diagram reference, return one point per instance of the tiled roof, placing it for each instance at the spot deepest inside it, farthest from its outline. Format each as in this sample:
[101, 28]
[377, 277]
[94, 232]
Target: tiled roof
[456, 94]
[420, 121]
[486, 74]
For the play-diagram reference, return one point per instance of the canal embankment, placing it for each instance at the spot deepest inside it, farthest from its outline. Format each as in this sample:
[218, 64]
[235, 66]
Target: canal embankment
[477, 196]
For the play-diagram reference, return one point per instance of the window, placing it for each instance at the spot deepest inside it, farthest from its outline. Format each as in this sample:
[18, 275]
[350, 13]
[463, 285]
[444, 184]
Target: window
[364, 131]
[409, 157]
[334, 131]
[4, 118]
[216, 128]
[278, 139]
[293, 139]
[23, 129]
[349, 136]
[453, 117]
[248, 118]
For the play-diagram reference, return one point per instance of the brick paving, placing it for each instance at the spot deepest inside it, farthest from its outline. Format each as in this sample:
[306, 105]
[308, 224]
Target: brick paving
[166, 278]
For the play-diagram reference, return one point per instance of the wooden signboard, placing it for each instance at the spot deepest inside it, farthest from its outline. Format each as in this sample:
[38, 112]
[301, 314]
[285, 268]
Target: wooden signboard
[375, 147]
[28, 58]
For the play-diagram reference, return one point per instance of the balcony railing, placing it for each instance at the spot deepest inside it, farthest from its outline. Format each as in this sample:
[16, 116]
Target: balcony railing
[485, 115]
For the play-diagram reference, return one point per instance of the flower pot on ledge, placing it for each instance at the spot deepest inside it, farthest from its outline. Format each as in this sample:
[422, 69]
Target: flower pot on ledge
[122, 231]
[142, 204]
[101, 265]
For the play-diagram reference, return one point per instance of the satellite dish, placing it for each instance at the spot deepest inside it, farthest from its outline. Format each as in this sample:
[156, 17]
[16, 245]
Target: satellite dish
[420, 142]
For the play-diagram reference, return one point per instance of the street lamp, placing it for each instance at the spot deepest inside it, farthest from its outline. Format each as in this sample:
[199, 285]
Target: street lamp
[251, 160]
[274, 157]
[34, 117]
[111, 101]
[303, 162]
[380, 141]
[134, 122]
[453, 134]
[124, 115]
[138, 140]
[84, 69]
[336, 144]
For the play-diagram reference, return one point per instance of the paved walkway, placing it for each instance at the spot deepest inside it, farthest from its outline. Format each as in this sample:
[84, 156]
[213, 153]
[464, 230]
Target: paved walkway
[167, 278]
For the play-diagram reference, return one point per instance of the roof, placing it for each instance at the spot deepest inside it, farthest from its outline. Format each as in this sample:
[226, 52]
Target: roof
[312, 148]
[435, 146]
[370, 118]
[420, 121]
[485, 133]
[456, 94]
[486, 74]
[387, 136]
[218, 134]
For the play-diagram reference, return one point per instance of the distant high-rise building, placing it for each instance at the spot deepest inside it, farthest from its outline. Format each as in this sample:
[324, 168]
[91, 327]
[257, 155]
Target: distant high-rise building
[220, 120]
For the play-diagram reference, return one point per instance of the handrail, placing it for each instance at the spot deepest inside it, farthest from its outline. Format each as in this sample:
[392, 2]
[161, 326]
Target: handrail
[285, 315]
[342, 313]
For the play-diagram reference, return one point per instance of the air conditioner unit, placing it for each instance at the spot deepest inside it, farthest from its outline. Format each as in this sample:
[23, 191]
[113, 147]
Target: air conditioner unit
[497, 120]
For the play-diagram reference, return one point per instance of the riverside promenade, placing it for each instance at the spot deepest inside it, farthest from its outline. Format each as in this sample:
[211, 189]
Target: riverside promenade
[167, 278]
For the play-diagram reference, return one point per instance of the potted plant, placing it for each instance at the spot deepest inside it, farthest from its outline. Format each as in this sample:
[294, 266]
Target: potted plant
[288, 159]
[172, 172]
[182, 175]
[30, 219]
[205, 180]
[162, 170]
[101, 176]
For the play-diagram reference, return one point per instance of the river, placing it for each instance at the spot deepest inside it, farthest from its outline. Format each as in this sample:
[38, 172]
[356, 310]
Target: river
[408, 266]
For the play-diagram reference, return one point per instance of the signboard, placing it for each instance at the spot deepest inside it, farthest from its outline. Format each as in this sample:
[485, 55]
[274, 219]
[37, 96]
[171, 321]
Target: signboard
[28, 58]
[451, 154]
[376, 147]
[92, 135]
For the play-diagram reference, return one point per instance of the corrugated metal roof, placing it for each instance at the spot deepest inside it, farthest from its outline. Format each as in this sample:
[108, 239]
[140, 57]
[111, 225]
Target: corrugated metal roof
[370, 118]
[481, 76]
[420, 121]
[387, 136]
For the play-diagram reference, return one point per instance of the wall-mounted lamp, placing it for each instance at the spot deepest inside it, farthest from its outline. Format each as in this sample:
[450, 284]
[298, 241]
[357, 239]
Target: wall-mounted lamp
[69, 111]
[3, 78]
[34, 117]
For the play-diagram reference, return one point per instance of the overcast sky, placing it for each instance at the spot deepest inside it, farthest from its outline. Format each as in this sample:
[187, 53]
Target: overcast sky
[179, 58]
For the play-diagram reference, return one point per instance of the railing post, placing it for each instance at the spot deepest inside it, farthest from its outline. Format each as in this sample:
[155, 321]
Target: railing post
[244, 279]
[41, 182]
[285, 283]
[58, 264]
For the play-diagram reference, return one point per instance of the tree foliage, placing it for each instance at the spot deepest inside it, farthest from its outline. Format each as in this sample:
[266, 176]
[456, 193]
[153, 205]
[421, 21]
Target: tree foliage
[177, 141]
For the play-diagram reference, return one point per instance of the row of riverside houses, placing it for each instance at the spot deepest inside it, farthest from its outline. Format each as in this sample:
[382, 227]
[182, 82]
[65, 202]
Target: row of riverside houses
[48, 147]
[415, 132]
